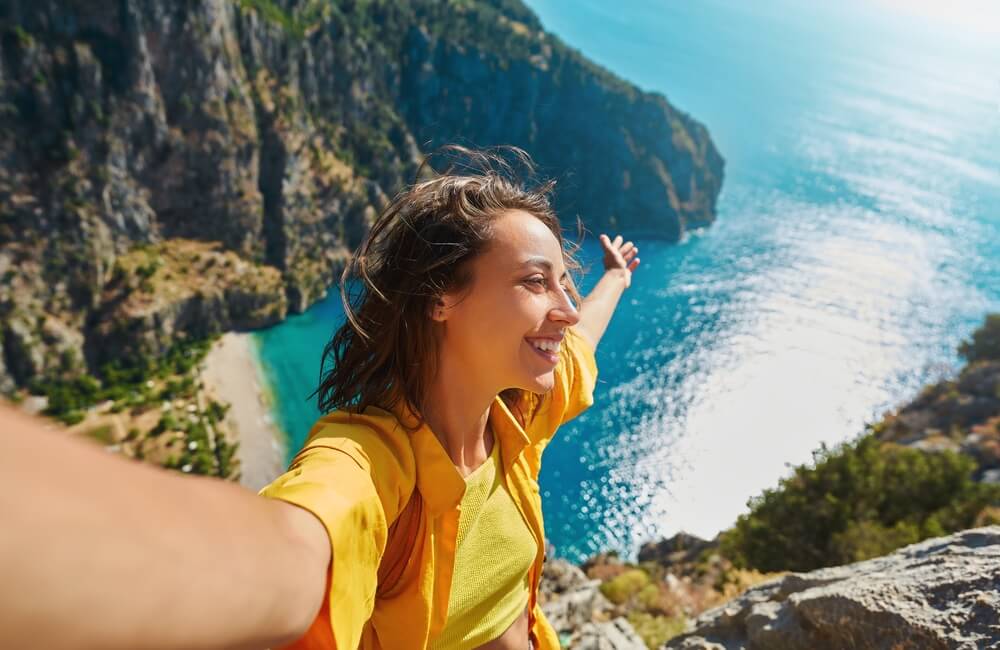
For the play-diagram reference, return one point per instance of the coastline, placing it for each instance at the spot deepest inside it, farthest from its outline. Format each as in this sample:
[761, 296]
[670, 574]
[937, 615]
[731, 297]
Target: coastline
[232, 374]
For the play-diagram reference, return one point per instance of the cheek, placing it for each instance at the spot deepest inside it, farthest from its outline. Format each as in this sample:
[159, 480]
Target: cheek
[487, 324]
[513, 314]
[495, 325]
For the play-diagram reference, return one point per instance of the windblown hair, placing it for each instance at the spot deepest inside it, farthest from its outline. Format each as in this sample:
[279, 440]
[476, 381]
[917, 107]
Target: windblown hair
[419, 248]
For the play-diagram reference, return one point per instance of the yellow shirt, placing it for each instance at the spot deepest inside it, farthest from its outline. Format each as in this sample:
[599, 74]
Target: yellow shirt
[494, 552]
[356, 472]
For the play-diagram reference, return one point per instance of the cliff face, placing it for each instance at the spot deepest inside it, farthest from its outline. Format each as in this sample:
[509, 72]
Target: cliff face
[960, 414]
[276, 130]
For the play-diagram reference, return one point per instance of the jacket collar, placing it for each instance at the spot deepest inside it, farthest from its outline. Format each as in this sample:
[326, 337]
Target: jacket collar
[439, 482]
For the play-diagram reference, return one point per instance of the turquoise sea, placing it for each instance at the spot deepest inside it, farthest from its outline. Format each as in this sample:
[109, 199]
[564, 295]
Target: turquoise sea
[857, 244]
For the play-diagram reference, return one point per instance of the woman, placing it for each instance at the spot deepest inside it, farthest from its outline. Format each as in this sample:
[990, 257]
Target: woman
[415, 498]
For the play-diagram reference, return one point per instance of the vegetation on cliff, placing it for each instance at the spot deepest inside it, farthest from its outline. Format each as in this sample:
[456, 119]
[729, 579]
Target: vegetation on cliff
[276, 138]
[858, 501]
[151, 409]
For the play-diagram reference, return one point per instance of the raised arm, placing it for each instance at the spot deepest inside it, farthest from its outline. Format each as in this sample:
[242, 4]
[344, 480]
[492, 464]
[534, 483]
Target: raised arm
[102, 551]
[598, 306]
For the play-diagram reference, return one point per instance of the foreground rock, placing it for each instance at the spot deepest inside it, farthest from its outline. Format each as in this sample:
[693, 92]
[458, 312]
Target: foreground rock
[940, 593]
[578, 611]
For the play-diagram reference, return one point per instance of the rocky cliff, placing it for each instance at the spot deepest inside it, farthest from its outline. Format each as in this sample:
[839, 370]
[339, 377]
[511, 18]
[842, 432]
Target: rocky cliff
[188, 168]
[938, 594]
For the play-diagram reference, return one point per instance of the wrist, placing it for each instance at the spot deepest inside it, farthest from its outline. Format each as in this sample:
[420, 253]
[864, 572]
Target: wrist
[618, 274]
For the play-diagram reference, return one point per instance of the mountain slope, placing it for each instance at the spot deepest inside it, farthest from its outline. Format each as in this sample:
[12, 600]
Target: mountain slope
[274, 132]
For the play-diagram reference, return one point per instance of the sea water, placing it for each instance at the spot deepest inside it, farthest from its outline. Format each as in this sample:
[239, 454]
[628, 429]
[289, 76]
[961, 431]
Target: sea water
[857, 244]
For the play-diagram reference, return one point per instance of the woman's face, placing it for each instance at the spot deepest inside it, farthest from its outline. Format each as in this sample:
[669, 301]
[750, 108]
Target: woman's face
[506, 327]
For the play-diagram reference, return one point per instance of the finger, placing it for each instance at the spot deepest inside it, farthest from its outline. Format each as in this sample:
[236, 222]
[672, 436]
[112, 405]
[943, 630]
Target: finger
[618, 241]
[629, 255]
[605, 241]
[634, 263]
[627, 246]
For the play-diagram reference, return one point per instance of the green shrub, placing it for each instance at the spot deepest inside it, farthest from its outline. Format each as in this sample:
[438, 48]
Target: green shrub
[225, 453]
[985, 343]
[620, 588]
[656, 630]
[216, 411]
[855, 502]
[71, 417]
[68, 397]
[101, 434]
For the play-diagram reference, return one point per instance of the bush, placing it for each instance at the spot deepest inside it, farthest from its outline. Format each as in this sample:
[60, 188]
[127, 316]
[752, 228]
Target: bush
[656, 630]
[68, 398]
[855, 502]
[101, 434]
[216, 411]
[619, 589]
[985, 343]
[226, 454]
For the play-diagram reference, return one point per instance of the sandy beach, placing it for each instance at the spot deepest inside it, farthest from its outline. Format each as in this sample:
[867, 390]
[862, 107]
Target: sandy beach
[231, 375]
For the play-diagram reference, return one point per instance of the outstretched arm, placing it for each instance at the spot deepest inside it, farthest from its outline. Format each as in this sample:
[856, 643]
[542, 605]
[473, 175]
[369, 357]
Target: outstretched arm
[101, 551]
[596, 309]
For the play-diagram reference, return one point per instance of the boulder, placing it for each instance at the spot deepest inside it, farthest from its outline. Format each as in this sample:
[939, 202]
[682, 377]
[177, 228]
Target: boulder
[579, 612]
[682, 548]
[939, 593]
[612, 635]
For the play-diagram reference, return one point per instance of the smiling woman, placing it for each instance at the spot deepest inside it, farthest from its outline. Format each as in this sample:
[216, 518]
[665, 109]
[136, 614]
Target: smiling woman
[411, 518]
[466, 337]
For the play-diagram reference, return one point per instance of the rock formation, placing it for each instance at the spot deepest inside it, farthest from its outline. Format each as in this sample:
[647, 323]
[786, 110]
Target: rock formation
[939, 593]
[960, 414]
[578, 611]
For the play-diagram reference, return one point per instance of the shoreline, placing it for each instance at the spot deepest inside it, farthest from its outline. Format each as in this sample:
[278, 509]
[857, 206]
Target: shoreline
[232, 373]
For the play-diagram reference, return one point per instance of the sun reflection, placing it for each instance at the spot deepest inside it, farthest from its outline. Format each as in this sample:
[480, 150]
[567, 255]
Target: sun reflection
[802, 374]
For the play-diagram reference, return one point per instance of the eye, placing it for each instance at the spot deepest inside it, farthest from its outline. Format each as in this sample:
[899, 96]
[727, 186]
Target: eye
[543, 282]
[540, 281]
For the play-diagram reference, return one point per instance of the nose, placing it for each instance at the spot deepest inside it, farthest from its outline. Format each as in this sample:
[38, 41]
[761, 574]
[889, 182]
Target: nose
[564, 310]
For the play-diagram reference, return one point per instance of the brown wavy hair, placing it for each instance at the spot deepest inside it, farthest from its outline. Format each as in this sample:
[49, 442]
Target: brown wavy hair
[419, 248]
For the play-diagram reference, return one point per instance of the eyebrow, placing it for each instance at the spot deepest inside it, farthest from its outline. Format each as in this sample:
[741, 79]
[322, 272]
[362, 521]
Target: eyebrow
[543, 262]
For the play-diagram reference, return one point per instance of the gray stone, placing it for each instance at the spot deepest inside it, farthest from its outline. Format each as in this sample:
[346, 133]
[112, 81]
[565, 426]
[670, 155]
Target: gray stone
[991, 476]
[571, 599]
[940, 593]
[611, 635]
[578, 611]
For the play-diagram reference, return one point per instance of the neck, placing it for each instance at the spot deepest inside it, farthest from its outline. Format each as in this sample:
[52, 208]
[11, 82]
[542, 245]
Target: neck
[457, 411]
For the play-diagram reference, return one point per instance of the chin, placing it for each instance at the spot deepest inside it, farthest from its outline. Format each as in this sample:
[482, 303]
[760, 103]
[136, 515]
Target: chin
[542, 383]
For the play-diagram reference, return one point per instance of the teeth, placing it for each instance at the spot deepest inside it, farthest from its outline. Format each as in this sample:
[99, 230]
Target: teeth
[547, 346]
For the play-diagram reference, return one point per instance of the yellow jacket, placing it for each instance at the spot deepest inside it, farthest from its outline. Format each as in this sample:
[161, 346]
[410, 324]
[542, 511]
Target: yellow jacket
[357, 471]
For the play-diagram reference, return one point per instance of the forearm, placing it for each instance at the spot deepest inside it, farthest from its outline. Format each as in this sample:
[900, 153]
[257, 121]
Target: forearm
[104, 552]
[599, 305]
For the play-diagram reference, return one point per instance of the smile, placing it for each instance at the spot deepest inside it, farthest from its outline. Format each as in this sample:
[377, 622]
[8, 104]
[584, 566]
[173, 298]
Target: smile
[545, 348]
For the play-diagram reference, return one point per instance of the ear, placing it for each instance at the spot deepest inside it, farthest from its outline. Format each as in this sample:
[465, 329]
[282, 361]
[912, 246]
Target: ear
[439, 309]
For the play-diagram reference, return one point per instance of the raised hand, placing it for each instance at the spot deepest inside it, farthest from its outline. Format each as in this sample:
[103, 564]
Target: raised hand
[620, 256]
